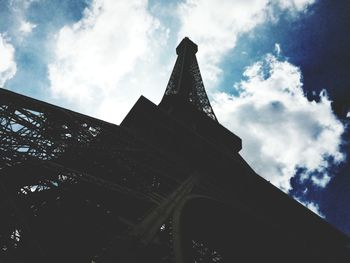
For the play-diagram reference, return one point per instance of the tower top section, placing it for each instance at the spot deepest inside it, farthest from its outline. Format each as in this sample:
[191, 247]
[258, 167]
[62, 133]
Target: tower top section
[186, 84]
[186, 45]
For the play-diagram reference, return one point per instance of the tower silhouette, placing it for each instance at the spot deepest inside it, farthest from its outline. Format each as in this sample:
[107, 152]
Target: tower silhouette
[167, 185]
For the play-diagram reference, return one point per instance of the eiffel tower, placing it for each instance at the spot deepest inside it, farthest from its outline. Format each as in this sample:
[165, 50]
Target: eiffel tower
[167, 185]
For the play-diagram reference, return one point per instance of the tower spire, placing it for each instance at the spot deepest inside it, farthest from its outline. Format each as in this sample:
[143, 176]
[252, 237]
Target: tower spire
[186, 82]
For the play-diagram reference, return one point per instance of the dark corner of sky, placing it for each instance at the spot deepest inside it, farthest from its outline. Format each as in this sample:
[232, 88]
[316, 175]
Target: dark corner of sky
[316, 41]
[319, 44]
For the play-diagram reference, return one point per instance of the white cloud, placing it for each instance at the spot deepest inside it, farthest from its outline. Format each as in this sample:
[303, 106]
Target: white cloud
[26, 27]
[295, 5]
[108, 59]
[215, 26]
[281, 130]
[21, 27]
[321, 181]
[312, 206]
[21, 4]
[277, 49]
[7, 60]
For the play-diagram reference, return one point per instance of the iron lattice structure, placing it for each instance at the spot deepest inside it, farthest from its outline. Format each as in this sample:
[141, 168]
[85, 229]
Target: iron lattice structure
[64, 175]
[186, 80]
[167, 185]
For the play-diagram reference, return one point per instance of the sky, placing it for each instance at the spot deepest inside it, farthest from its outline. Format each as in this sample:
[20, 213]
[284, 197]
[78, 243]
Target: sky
[276, 72]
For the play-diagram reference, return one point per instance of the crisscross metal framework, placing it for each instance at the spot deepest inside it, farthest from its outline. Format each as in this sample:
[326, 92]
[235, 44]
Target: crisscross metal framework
[186, 80]
[55, 162]
[157, 188]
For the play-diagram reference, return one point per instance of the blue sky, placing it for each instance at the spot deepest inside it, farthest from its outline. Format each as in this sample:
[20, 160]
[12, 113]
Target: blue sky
[276, 72]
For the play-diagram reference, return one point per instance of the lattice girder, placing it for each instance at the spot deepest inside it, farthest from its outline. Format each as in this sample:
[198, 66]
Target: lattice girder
[49, 151]
[186, 80]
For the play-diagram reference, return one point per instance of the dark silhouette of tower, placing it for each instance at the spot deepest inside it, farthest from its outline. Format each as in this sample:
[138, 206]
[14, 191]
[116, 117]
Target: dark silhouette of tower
[167, 185]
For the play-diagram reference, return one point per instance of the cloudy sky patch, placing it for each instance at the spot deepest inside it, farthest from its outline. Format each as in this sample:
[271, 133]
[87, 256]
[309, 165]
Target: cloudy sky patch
[279, 126]
[7, 61]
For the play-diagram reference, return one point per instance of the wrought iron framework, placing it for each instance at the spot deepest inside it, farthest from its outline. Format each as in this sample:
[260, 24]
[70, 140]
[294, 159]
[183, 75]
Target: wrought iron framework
[54, 161]
[87, 188]
[186, 80]
[155, 189]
